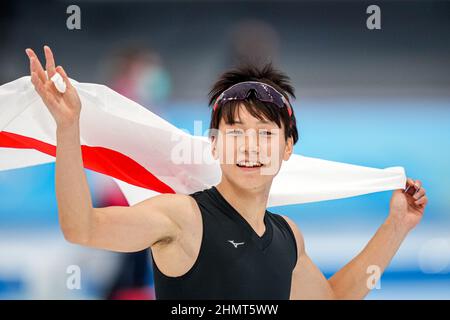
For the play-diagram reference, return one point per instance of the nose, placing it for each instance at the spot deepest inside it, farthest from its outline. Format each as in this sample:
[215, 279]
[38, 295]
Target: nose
[250, 146]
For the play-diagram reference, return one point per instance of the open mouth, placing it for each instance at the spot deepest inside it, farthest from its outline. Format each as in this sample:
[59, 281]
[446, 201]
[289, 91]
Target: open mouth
[249, 164]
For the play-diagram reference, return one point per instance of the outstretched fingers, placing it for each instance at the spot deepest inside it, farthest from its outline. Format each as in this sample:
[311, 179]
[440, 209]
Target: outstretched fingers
[49, 62]
[35, 65]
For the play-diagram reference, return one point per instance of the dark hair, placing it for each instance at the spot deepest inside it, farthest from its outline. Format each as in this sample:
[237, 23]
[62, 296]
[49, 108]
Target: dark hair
[260, 110]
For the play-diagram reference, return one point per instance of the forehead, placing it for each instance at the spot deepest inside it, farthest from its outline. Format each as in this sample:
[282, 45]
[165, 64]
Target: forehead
[243, 117]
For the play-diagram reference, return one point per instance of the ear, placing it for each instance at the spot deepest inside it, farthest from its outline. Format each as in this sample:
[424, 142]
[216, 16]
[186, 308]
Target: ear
[288, 149]
[214, 152]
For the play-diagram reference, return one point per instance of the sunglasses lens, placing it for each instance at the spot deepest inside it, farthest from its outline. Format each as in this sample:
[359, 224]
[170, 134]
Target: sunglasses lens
[268, 94]
[262, 92]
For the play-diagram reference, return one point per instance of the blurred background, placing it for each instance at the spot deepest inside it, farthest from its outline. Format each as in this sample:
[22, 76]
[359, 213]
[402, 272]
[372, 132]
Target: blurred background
[375, 98]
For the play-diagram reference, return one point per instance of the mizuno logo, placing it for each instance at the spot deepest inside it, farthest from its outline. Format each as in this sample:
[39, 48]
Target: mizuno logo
[235, 244]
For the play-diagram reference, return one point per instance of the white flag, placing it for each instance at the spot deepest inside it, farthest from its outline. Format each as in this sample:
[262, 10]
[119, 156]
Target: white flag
[124, 140]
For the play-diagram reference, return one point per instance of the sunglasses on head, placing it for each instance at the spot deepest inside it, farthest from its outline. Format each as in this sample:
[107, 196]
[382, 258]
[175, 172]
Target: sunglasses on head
[262, 91]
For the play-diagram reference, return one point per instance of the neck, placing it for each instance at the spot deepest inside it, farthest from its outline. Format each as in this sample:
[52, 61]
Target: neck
[249, 203]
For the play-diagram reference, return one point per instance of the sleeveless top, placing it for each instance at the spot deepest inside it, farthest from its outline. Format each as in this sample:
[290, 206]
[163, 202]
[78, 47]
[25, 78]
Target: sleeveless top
[234, 262]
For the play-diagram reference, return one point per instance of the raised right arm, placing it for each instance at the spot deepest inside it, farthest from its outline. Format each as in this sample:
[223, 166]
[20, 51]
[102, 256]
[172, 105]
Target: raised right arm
[117, 228]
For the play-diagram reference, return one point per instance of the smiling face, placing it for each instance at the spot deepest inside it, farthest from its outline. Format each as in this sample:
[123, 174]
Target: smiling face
[250, 150]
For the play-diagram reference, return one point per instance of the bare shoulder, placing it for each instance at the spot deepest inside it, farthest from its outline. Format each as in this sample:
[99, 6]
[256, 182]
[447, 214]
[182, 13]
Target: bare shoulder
[297, 233]
[170, 201]
[180, 208]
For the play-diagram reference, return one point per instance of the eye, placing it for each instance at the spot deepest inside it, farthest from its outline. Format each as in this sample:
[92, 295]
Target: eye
[235, 132]
[265, 132]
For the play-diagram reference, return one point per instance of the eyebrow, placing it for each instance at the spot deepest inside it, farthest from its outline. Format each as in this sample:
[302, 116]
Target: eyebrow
[260, 121]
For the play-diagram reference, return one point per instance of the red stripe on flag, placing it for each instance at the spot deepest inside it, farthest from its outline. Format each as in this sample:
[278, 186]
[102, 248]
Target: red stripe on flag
[103, 160]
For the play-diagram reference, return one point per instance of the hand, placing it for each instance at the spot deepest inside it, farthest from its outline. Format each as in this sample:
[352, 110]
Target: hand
[407, 208]
[64, 107]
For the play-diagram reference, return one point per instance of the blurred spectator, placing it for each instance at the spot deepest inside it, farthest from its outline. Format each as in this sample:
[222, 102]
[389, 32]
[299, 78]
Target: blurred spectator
[139, 74]
[253, 41]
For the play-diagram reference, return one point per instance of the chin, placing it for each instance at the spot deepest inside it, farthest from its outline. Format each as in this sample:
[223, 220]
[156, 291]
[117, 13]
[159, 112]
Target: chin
[250, 181]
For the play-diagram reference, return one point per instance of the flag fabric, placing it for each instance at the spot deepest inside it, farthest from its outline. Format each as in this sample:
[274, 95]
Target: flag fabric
[141, 151]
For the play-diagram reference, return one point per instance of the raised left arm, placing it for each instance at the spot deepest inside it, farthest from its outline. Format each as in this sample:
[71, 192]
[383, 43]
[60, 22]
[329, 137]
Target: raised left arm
[406, 211]
[351, 282]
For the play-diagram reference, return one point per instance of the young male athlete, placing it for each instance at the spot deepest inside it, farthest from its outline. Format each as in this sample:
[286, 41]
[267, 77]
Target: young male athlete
[221, 242]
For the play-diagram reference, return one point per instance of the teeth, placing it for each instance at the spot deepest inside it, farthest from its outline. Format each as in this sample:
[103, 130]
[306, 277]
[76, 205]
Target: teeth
[249, 164]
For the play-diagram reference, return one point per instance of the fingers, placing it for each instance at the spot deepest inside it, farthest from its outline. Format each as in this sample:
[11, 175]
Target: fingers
[50, 93]
[43, 91]
[410, 182]
[422, 201]
[412, 186]
[419, 193]
[63, 73]
[49, 62]
[35, 65]
[36, 79]
[38, 85]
